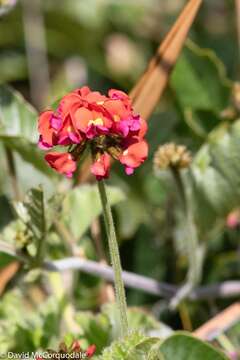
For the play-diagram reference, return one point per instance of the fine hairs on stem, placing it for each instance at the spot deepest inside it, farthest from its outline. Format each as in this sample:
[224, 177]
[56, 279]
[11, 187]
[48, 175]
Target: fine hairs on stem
[115, 257]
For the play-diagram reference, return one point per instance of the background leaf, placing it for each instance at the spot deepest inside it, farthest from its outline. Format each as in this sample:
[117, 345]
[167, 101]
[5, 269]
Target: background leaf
[199, 80]
[82, 205]
[183, 346]
[18, 128]
[215, 175]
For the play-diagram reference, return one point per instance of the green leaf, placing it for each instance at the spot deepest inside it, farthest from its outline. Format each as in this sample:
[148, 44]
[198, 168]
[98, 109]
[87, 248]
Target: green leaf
[101, 329]
[131, 347]
[82, 205]
[29, 152]
[36, 211]
[6, 211]
[215, 176]
[32, 214]
[144, 322]
[95, 329]
[182, 346]
[5, 260]
[18, 128]
[199, 80]
[18, 118]
[37, 328]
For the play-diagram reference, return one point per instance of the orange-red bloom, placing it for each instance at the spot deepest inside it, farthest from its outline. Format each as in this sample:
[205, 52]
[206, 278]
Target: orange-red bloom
[107, 123]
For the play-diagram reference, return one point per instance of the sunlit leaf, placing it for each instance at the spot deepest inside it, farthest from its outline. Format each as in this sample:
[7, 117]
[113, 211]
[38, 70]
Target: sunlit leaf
[18, 128]
[82, 205]
[199, 82]
[182, 346]
[215, 175]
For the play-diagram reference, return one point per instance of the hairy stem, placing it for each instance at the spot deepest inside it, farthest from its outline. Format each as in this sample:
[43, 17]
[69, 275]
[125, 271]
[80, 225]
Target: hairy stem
[115, 257]
[41, 242]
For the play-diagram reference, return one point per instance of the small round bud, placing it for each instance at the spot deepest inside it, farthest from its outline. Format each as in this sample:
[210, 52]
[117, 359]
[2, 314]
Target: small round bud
[172, 155]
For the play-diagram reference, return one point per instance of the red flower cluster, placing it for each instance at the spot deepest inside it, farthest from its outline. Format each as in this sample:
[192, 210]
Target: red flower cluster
[107, 123]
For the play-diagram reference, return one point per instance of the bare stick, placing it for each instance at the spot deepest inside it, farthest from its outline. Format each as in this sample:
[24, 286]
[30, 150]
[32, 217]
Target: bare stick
[104, 271]
[227, 289]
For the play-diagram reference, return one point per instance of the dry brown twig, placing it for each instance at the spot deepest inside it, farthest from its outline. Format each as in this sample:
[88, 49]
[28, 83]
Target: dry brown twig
[148, 90]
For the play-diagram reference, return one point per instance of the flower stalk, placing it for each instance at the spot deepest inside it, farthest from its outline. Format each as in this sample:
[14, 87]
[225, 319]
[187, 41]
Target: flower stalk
[115, 257]
[175, 158]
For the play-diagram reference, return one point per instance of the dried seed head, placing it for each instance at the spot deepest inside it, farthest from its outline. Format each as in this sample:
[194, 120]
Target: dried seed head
[172, 155]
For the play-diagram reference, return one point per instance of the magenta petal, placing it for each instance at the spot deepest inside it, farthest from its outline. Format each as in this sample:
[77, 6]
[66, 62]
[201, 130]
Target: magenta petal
[102, 129]
[129, 170]
[74, 137]
[135, 126]
[64, 140]
[91, 132]
[56, 122]
[123, 128]
[42, 145]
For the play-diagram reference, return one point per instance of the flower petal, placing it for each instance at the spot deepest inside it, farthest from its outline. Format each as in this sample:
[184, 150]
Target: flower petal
[45, 129]
[100, 168]
[62, 163]
[82, 118]
[134, 155]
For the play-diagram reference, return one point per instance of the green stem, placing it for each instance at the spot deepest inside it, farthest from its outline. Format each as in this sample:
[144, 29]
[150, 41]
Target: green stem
[115, 257]
[41, 241]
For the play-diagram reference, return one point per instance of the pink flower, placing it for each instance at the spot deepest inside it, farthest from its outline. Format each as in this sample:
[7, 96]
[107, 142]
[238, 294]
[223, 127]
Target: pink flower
[107, 123]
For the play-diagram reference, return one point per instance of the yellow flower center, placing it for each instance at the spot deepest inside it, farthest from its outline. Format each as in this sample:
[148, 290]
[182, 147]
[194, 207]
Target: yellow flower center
[116, 117]
[98, 121]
